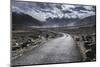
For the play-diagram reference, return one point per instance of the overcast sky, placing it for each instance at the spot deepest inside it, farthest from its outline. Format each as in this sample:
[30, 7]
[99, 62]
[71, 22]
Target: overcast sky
[42, 11]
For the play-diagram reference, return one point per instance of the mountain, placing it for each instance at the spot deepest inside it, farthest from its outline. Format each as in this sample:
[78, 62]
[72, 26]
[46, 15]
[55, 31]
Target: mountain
[24, 20]
[61, 21]
[21, 19]
[90, 20]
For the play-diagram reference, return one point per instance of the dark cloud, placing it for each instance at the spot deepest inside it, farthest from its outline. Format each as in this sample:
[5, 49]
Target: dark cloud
[78, 8]
[42, 11]
[67, 11]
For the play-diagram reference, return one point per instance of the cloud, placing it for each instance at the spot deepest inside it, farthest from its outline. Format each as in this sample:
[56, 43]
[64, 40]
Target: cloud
[88, 7]
[42, 11]
[16, 9]
[67, 7]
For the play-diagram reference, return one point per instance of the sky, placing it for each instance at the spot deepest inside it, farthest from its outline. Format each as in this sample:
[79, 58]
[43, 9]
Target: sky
[42, 11]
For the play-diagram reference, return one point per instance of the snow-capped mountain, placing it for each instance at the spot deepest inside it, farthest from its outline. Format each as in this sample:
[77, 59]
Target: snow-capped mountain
[50, 14]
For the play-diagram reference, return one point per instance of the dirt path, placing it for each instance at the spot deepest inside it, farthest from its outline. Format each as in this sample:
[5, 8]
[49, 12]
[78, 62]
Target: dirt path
[62, 49]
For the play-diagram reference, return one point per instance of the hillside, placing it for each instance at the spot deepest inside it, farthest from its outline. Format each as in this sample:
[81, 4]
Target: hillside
[21, 19]
[91, 20]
